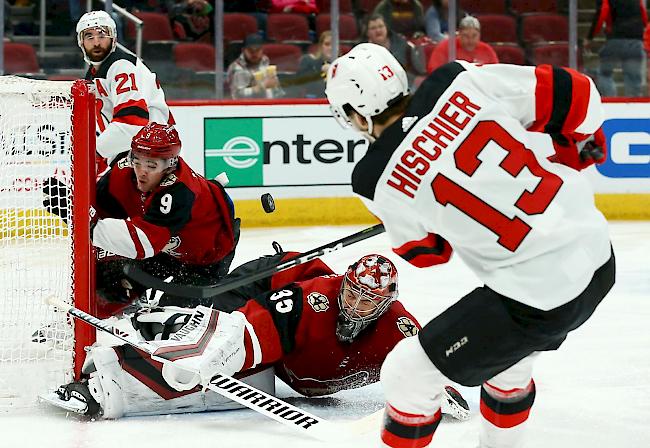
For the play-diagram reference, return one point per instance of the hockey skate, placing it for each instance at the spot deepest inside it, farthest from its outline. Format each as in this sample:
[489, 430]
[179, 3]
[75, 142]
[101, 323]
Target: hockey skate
[74, 397]
[454, 404]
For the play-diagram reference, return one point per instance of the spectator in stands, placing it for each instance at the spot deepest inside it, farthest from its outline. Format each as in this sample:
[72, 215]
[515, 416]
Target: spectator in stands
[192, 19]
[623, 22]
[377, 32]
[313, 68]
[468, 46]
[251, 75]
[435, 19]
[402, 16]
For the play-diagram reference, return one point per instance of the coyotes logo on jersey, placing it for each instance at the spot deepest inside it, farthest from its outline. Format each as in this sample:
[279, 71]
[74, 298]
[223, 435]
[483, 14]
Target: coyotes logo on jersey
[318, 302]
[407, 326]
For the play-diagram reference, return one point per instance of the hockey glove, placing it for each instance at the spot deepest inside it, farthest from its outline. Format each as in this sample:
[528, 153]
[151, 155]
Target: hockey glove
[56, 198]
[580, 155]
[158, 324]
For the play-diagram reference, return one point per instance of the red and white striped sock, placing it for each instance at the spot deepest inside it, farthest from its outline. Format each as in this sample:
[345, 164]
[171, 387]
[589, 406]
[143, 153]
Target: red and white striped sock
[403, 430]
[504, 414]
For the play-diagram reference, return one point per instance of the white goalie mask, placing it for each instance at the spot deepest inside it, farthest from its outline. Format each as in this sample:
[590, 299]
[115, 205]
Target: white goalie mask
[96, 19]
[369, 79]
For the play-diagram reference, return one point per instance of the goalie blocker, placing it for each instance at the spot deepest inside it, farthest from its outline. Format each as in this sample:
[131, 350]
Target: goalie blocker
[287, 322]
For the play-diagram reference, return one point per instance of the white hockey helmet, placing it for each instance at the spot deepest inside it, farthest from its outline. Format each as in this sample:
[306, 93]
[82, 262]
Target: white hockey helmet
[96, 19]
[369, 79]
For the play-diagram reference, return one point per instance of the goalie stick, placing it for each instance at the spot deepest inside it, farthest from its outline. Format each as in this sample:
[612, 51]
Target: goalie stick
[240, 392]
[209, 291]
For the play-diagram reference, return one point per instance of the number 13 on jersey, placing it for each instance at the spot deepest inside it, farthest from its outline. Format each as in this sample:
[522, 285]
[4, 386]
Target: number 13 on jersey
[511, 231]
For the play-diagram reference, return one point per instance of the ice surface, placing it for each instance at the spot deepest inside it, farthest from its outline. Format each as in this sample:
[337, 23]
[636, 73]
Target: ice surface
[593, 392]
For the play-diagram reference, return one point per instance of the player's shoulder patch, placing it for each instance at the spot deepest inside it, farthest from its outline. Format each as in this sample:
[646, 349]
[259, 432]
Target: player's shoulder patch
[169, 180]
[319, 302]
[123, 163]
[406, 326]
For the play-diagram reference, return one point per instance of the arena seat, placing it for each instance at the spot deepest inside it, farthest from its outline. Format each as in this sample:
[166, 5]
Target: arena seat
[156, 27]
[484, 6]
[236, 26]
[287, 28]
[527, 6]
[510, 53]
[544, 28]
[345, 6]
[498, 28]
[195, 56]
[20, 58]
[348, 31]
[285, 56]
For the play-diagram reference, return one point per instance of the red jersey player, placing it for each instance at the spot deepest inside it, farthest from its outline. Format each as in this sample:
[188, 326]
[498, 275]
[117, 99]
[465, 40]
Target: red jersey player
[128, 95]
[155, 211]
[321, 332]
[463, 165]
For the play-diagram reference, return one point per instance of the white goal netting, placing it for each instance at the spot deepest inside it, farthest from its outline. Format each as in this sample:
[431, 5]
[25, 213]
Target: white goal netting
[36, 342]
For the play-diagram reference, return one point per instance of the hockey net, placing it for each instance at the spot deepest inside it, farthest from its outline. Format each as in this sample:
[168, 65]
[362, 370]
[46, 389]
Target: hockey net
[46, 130]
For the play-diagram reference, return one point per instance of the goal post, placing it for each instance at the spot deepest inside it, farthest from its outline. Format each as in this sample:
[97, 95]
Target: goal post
[47, 129]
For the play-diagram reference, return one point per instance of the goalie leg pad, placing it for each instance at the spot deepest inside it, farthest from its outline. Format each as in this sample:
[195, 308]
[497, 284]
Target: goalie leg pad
[105, 384]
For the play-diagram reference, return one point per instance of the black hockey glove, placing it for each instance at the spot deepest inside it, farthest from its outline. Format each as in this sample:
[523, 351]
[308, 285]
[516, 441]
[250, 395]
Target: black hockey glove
[56, 198]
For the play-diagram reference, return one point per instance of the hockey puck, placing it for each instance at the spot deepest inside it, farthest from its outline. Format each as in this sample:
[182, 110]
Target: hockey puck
[268, 204]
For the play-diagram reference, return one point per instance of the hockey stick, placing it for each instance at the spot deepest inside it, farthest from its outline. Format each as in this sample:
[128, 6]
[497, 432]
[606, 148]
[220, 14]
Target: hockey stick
[206, 292]
[242, 393]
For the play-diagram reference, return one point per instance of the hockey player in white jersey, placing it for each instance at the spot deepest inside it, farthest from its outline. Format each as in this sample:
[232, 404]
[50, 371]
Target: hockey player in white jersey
[464, 165]
[128, 95]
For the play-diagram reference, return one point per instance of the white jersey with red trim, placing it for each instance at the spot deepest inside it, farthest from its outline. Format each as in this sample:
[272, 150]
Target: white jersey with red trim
[128, 97]
[465, 169]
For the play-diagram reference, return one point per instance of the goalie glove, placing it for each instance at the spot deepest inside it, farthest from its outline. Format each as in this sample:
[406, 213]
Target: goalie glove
[55, 198]
[158, 324]
[580, 154]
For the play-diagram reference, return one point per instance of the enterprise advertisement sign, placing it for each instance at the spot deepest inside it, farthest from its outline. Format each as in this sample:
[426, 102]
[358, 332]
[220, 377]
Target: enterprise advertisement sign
[281, 151]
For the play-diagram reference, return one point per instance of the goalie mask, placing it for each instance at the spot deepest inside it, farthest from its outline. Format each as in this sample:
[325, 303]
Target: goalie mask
[104, 23]
[157, 141]
[369, 287]
[369, 79]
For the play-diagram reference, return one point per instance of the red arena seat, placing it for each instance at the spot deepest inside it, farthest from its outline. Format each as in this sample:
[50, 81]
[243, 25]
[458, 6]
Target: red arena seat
[347, 26]
[544, 28]
[198, 57]
[20, 58]
[287, 28]
[236, 26]
[156, 27]
[285, 56]
[554, 53]
[498, 28]
[510, 54]
[484, 6]
[526, 6]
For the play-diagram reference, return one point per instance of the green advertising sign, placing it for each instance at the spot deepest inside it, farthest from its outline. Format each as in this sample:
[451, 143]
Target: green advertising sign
[234, 145]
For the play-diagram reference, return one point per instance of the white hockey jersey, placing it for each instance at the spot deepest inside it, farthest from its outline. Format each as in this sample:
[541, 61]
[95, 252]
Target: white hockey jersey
[467, 168]
[128, 96]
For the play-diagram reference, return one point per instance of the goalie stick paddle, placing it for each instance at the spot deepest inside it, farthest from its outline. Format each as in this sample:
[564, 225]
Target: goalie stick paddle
[240, 392]
[206, 292]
